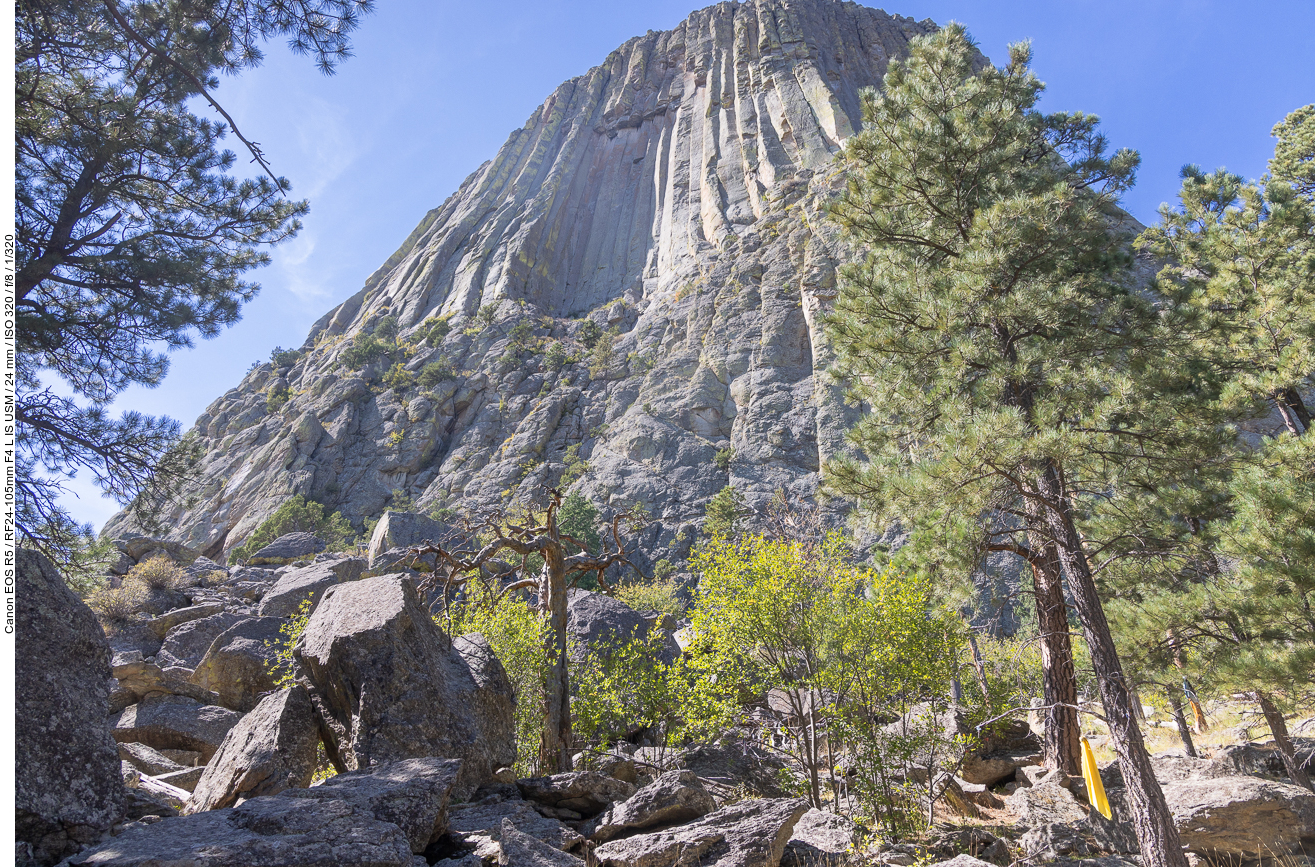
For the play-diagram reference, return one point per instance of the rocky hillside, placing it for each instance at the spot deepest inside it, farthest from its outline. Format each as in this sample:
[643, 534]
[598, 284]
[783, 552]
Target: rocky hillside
[624, 300]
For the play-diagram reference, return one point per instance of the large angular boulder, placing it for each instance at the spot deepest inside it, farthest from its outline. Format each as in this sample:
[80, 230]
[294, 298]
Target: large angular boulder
[478, 827]
[597, 621]
[271, 749]
[517, 849]
[162, 624]
[185, 644]
[287, 548]
[673, 798]
[136, 679]
[174, 722]
[383, 817]
[584, 792]
[750, 833]
[494, 699]
[390, 686]
[139, 548]
[308, 582]
[67, 787]
[1242, 817]
[239, 666]
[820, 837]
[148, 760]
[736, 764]
[398, 531]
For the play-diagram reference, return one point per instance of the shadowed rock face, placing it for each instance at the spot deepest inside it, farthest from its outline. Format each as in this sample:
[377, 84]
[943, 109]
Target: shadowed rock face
[673, 194]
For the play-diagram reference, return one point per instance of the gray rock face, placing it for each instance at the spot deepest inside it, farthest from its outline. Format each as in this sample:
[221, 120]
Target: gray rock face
[388, 685]
[522, 850]
[285, 597]
[748, 834]
[288, 547]
[674, 797]
[167, 621]
[67, 790]
[237, 665]
[819, 838]
[1242, 816]
[175, 723]
[494, 700]
[271, 749]
[401, 530]
[672, 193]
[148, 760]
[185, 645]
[585, 792]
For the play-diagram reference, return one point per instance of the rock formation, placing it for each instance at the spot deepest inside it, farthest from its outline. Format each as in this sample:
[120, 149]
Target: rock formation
[631, 285]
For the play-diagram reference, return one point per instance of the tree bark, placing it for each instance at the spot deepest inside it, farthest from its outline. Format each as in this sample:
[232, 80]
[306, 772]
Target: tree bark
[1062, 744]
[1176, 708]
[1157, 835]
[555, 755]
[1278, 727]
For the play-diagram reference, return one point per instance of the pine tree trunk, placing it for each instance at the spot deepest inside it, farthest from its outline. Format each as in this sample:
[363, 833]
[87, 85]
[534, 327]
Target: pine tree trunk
[555, 753]
[1278, 727]
[1157, 835]
[1062, 747]
[1176, 707]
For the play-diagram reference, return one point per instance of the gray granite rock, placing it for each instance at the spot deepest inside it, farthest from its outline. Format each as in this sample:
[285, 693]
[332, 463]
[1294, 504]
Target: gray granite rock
[389, 686]
[751, 833]
[136, 679]
[185, 644]
[1240, 817]
[401, 530]
[673, 798]
[67, 788]
[585, 792]
[239, 664]
[517, 849]
[286, 548]
[308, 582]
[820, 838]
[174, 722]
[269, 750]
[167, 621]
[479, 827]
[147, 760]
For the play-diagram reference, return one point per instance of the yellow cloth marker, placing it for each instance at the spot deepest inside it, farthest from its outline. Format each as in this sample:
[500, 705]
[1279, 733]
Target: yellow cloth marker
[1095, 789]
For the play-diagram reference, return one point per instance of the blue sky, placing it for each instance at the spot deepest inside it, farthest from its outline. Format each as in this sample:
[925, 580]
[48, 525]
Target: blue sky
[436, 86]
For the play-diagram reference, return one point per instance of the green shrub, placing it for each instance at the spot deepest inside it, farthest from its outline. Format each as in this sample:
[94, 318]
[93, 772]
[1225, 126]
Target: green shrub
[115, 607]
[522, 335]
[298, 515]
[399, 378]
[656, 595]
[386, 329]
[485, 316]
[277, 397]
[723, 458]
[365, 349]
[435, 372]
[555, 355]
[589, 333]
[578, 518]
[158, 573]
[280, 357]
[600, 359]
[575, 466]
[724, 512]
[436, 328]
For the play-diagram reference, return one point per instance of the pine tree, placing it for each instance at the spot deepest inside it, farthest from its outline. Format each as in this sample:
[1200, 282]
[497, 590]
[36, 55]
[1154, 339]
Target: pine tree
[992, 327]
[131, 235]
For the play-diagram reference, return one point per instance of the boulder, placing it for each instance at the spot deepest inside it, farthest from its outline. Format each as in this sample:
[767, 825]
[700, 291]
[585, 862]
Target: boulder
[494, 700]
[750, 833]
[269, 832]
[517, 849]
[147, 760]
[137, 636]
[239, 664]
[183, 778]
[479, 827]
[390, 686]
[67, 790]
[271, 749]
[412, 794]
[286, 548]
[1240, 817]
[174, 722]
[596, 620]
[207, 570]
[398, 531]
[162, 624]
[737, 763]
[1046, 802]
[297, 585]
[673, 798]
[136, 679]
[819, 838]
[382, 817]
[140, 548]
[185, 644]
[963, 861]
[585, 792]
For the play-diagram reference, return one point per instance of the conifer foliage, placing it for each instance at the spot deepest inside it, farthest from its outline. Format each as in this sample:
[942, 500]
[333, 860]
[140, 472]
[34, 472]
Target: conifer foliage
[132, 235]
[990, 324]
